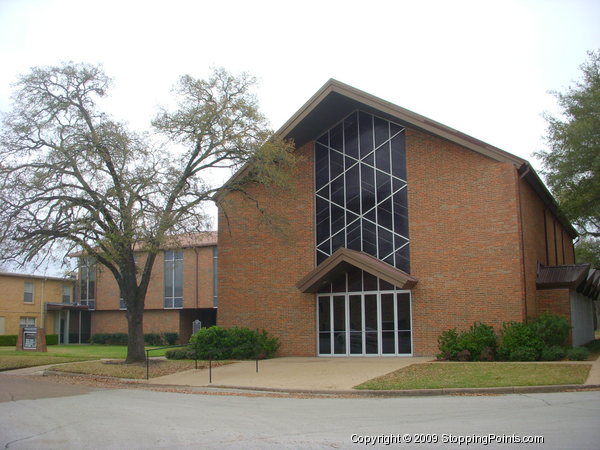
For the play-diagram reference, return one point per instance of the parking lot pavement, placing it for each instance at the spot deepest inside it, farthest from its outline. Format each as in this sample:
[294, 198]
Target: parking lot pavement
[140, 419]
[14, 387]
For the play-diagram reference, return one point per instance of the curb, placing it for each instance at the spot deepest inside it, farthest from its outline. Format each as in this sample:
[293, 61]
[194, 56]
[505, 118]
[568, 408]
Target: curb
[426, 392]
[353, 392]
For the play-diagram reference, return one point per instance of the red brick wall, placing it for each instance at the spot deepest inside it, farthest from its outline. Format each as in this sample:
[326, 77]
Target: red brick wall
[539, 242]
[465, 249]
[154, 321]
[555, 301]
[534, 241]
[259, 265]
[560, 246]
[198, 277]
[197, 282]
[464, 233]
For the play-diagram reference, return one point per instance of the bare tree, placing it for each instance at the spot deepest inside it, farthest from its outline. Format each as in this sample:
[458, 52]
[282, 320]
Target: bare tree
[75, 180]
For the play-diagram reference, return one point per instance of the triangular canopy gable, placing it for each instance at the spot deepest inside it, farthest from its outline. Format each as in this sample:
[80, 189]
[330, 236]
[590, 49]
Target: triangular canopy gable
[344, 260]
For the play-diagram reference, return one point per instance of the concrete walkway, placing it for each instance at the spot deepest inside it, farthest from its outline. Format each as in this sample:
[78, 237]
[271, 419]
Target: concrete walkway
[315, 375]
[293, 373]
[311, 374]
[594, 376]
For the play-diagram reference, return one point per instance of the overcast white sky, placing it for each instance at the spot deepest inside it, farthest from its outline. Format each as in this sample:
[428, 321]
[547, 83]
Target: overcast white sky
[482, 67]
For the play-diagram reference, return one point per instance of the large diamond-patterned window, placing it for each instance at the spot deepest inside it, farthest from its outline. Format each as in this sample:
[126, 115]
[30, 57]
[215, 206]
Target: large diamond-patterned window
[361, 198]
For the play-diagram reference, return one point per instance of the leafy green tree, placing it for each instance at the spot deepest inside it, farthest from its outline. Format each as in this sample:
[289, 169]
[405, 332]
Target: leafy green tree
[73, 179]
[572, 161]
[587, 250]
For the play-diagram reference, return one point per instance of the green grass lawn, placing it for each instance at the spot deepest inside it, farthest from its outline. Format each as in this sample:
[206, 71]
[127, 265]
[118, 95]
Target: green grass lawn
[12, 359]
[117, 368]
[19, 361]
[475, 375]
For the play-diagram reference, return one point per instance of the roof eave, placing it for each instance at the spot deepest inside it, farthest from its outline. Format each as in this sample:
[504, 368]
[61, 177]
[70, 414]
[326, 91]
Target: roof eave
[527, 172]
[400, 113]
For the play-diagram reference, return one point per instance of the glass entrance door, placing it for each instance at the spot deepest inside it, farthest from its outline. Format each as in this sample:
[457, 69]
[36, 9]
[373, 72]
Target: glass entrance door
[358, 324]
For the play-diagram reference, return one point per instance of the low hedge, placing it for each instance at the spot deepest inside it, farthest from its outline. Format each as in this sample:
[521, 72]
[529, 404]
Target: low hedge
[233, 343]
[542, 338]
[109, 339]
[476, 344]
[153, 339]
[553, 353]
[8, 340]
[180, 353]
[156, 339]
[170, 338]
[52, 339]
[578, 354]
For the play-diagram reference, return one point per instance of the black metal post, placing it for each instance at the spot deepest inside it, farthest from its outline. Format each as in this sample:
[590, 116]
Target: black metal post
[257, 351]
[160, 348]
[209, 368]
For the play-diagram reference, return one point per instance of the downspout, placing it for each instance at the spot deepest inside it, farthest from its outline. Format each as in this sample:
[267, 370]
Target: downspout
[197, 276]
[546, 235]
[43, 303]
[522, 239]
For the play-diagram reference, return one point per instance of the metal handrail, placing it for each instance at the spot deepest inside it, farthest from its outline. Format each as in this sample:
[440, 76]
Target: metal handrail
[211, 352]
[162, 348]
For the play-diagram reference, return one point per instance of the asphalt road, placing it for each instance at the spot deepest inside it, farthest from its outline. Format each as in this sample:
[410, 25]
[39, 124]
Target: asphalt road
[104, 418]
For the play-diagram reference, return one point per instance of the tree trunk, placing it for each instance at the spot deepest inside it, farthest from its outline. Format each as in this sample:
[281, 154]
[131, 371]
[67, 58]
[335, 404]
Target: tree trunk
[135, 330]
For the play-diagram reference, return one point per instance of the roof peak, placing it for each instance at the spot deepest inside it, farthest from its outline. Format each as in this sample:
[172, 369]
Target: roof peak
[317, 106]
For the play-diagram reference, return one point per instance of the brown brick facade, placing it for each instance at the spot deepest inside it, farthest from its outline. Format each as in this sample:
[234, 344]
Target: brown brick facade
[467, 216]
[197, 282]
[555, 301]
[544, 241]
[464, 239]
[198, 297]
[259, 265]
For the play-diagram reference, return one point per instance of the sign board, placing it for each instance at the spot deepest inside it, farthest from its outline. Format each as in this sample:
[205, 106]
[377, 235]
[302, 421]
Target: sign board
[196, 325]
[29, 338]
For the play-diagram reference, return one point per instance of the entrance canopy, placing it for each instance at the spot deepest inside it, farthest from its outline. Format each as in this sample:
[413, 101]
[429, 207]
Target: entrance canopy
[345, 259]
[66, 307]
[580, 277]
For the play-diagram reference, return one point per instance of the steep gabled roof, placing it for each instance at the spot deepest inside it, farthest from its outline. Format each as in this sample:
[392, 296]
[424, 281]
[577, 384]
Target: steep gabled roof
[344, 259]
[335, 100]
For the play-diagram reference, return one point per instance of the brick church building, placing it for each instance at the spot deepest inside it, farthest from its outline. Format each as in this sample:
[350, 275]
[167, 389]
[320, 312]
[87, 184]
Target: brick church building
[396, 228]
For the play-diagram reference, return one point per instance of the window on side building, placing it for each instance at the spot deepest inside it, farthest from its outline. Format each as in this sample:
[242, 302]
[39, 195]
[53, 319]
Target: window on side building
[173, 281]
[87, 283]
[122, 304]
[28, 292]
[27, 322]
[67, 292]
[215, 277]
